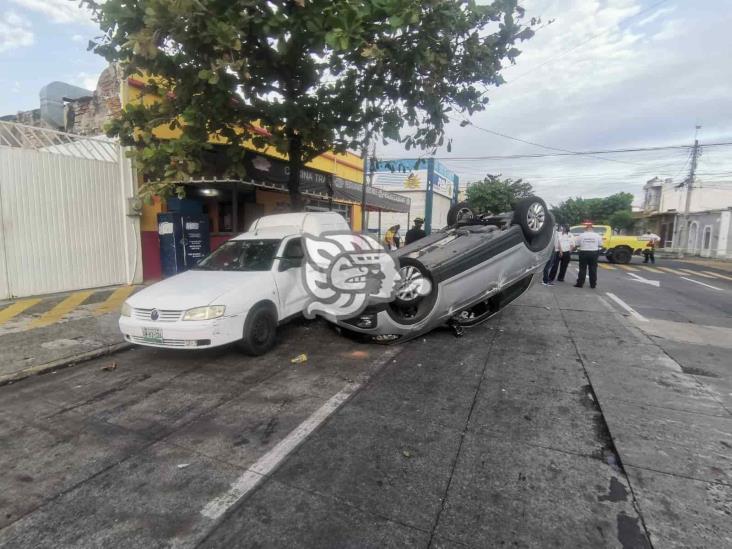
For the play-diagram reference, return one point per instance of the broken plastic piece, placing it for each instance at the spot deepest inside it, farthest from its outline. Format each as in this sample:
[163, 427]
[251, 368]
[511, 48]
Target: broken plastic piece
[299, 359]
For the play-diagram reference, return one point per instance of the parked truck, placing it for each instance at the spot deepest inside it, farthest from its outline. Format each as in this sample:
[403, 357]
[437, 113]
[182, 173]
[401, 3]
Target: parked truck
[615, 247]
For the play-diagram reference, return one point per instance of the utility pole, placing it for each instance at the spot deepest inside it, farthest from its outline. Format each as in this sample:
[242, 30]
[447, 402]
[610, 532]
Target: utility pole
[689, 187]
[365, 154]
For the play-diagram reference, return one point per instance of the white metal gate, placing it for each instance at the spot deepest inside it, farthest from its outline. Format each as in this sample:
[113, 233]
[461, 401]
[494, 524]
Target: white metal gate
[62, 212]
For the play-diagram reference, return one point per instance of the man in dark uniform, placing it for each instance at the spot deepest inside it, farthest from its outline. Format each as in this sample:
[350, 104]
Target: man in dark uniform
[589, 244]
[416, 232]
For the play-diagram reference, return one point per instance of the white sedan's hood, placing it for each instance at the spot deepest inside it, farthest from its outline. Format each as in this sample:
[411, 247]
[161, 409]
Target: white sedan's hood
[198, 288]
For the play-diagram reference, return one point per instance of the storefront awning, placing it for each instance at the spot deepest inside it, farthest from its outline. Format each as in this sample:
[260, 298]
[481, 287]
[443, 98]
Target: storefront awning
[265, 171]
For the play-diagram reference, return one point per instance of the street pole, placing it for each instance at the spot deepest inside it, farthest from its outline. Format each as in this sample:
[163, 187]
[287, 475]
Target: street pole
[683, 242]
[365, 154]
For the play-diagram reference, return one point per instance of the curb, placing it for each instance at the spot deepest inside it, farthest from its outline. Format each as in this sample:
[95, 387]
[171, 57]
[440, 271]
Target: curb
[63, 363]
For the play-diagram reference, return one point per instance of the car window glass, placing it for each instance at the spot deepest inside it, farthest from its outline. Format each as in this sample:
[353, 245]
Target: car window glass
[241, 255]
[293, 249]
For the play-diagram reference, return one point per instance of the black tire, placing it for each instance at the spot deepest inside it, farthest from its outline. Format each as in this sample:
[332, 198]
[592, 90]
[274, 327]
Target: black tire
[409, 311]
[622, 256]
[532, 215]
[260, 331]
[459, 212]
[412, 273]
[609, 258]
[537, 224]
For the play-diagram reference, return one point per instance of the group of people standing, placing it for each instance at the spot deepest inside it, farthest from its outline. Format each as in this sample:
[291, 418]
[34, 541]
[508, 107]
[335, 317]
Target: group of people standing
[393, 239]
[588, 244]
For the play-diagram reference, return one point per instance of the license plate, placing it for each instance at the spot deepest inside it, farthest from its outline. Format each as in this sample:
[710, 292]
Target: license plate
[153, 335]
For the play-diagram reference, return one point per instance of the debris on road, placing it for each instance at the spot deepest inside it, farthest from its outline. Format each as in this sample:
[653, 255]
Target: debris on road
[109, 367]
[183, 465]
[407, 453]
[299, 359]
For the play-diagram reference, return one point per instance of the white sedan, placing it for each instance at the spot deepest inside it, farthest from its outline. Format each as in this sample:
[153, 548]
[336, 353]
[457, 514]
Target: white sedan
[239, 293]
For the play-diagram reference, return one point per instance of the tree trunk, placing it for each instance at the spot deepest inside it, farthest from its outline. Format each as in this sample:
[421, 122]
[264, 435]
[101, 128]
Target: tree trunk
[295, 163]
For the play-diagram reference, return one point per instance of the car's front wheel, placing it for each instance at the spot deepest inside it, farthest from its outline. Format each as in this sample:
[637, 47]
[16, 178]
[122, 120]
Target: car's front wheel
[260, 330]
[532, 215]
[622, 256]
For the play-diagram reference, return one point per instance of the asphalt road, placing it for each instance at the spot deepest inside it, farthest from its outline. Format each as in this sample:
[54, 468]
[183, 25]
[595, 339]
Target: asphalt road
[496, 438]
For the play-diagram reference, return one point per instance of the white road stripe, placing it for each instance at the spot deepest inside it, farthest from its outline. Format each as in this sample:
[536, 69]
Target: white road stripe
[701, 283]
[269, 461]
[606, 304]
[627, 307]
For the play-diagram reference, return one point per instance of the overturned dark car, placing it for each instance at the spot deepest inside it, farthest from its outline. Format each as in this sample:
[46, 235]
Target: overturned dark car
[463, 274]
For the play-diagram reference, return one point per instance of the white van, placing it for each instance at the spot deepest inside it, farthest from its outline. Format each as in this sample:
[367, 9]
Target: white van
[241, 292]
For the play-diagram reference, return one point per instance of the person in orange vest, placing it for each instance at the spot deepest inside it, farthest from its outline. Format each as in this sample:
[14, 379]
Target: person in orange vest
[649, 251]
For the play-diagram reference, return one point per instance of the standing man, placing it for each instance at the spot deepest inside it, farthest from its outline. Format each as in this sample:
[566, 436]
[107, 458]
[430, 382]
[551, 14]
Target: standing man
[589, 244]
[649, 251]
[416, 232]
[565, 244]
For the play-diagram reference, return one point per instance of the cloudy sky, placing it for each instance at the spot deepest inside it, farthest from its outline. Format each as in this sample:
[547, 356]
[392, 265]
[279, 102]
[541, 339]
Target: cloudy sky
[606, 74]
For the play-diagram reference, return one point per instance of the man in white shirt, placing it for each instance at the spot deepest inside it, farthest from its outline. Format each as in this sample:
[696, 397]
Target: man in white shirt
[589, 244]
[564, 246]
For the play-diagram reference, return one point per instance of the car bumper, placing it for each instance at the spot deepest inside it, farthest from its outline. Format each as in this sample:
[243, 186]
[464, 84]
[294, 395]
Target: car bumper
[199, 334]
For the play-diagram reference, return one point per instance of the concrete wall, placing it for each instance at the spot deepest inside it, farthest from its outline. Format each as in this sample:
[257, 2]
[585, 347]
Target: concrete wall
[707, 234]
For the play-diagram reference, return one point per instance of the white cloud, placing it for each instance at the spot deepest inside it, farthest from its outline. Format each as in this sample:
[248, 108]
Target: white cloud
[58, 11]
[86, 80]
[77, 38]
[15, 32]
[606, 75]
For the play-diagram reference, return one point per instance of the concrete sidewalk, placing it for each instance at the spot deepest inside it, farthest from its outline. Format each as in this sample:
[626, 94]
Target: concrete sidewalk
[40, 334]
[672, 428]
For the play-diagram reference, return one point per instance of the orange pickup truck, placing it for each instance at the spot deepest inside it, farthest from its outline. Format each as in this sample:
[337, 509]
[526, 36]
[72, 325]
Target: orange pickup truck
[615, 247]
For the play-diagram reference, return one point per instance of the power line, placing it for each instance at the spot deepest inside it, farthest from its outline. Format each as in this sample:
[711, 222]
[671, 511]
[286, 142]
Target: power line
[573, 153]
[506, 136]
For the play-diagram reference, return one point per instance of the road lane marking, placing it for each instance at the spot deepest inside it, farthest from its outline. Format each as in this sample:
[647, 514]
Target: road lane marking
[667, 270]
[652, 269]
[16, 308]
[269, 461]
[627, 307]
[115, 300]
[718, 275]
[695, 273]
[655, 283]
[702, 283]
[606, 304]
[626, 268]
[61, 310]
[606, 266]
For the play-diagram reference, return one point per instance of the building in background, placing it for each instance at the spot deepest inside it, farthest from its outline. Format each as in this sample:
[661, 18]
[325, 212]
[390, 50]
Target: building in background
[68, 113]
[705, 230]
[429, 185]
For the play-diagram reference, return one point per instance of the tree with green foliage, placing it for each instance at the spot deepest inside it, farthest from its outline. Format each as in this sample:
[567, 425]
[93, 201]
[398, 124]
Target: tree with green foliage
[496, 195]
[622, 220]
[598, 210]
[316, 74]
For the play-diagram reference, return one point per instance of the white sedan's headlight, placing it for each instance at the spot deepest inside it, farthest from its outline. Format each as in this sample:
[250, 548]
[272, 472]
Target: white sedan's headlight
[205, 313]
[126, 309]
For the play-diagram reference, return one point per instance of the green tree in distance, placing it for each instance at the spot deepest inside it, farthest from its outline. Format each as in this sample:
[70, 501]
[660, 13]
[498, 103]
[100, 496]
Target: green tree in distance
[496, 195]
[622, 220]
[598, 210]
[316, 74]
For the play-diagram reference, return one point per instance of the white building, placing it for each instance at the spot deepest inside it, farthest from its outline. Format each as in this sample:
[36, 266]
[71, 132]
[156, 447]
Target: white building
[704, 230]
[410, 178]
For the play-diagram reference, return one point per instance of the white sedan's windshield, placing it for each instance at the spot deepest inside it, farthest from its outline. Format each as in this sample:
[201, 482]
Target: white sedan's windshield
[241, 255]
